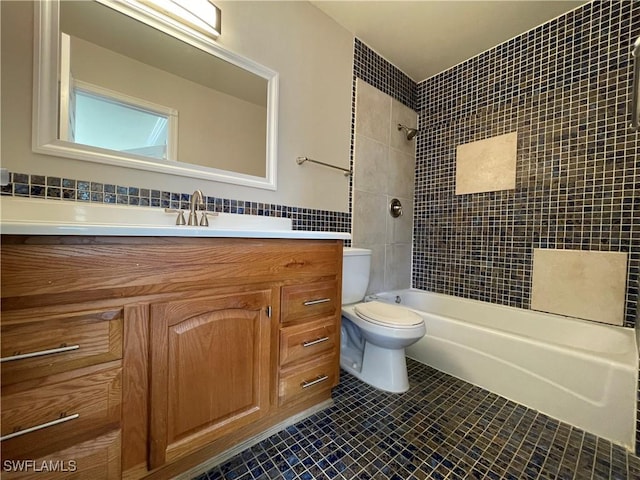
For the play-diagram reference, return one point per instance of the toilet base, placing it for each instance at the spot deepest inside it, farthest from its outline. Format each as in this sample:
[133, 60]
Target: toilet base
[382, 368]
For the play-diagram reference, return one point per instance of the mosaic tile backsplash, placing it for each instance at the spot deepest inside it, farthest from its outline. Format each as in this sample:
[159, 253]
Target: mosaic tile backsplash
[55, 188]
[565, 88]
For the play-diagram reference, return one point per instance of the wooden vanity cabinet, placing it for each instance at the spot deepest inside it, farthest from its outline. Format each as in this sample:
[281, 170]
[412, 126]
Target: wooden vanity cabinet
[209, 370]
[171, 350]
[309, 340]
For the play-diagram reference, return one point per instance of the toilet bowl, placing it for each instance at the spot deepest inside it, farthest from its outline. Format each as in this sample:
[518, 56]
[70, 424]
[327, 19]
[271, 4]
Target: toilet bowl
[374, 334]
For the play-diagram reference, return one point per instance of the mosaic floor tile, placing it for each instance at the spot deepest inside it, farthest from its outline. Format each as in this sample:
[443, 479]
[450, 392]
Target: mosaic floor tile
[442, 428]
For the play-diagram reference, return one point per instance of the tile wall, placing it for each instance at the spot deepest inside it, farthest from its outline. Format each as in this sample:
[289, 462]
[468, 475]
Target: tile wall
[565, 88]
[66, 189]
[376, 71]
[384, 167]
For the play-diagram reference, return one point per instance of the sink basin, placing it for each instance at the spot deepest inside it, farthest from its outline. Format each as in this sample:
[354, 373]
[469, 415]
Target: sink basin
[69, 215]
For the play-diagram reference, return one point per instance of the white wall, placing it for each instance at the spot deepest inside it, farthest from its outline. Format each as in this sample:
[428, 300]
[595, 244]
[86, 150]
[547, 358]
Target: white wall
[312, 53]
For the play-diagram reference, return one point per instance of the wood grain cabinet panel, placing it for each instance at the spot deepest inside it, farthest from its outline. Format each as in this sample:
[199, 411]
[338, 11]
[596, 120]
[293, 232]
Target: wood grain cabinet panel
[95, 459]
[140, 357]
[210, 369]
[310, 300]
[307, 380]
[49, 344]
[42, 416]
[309, 340]
[299, 343]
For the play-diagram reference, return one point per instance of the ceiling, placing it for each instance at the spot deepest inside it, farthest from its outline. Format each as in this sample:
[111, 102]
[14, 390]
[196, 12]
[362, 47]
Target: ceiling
[423, 38]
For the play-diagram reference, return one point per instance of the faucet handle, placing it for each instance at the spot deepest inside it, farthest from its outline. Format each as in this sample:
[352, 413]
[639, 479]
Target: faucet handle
[180, 219]
[204, 221]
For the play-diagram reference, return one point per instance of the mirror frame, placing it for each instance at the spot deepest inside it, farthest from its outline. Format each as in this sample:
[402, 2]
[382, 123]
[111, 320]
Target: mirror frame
[46, 60]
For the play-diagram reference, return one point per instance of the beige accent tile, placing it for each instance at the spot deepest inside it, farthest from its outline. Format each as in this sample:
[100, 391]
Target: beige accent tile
[487, 165]
[582, 284]
[400, 230]
[402, 172]
[371, 164]
[402, 114]
[373, 112]
[369, 226]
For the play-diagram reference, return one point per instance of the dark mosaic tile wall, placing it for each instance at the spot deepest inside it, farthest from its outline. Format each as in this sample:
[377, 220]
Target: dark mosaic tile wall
[565, 87]
[375, 70]
[65, 189]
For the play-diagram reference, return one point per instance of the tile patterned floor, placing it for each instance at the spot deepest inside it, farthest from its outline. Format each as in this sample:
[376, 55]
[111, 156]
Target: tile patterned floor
[442, 428]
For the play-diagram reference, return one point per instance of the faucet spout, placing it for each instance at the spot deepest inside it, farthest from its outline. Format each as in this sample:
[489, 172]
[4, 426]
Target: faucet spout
[197, 200]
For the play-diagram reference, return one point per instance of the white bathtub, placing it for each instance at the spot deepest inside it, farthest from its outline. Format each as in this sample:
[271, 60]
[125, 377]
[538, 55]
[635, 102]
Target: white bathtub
[579, 372]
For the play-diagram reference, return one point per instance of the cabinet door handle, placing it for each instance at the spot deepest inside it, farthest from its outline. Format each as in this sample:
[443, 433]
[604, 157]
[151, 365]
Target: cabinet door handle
[308, 303]
[310, 383]
[315, 342]
[39, 353]
[57, 421]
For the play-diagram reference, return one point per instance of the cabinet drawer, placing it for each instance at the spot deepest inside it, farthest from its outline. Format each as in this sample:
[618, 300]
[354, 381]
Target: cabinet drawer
[40, 417]
[301, 302]
[97, 459]
[302, 342]
[55, 344]
[305, 382]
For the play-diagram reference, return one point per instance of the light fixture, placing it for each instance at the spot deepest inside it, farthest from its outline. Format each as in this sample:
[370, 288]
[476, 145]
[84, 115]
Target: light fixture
[201, 15]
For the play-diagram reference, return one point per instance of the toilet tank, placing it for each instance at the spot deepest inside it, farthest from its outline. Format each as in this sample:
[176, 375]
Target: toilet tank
[356, 265]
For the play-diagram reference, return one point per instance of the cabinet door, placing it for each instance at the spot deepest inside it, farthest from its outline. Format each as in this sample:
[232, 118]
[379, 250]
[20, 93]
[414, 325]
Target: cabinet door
[210, 370]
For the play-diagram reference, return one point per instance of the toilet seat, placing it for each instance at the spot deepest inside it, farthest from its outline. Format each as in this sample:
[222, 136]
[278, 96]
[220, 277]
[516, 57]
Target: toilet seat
[387, 315]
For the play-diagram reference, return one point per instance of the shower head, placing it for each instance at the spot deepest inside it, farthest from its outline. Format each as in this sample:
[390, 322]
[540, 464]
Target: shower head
[411, 132]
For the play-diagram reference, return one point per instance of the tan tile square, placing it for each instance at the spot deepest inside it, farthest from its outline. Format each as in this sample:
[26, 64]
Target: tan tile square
[487, 165]
[582, 284]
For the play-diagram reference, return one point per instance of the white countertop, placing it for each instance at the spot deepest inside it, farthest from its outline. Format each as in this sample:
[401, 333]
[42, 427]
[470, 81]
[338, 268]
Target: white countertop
[26, 216]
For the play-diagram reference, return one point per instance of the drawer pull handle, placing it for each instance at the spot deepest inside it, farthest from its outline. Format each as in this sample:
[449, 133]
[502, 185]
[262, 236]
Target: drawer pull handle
[316, 302]
[310, 383]
[39, 427]
[315, 342]
[39, 353]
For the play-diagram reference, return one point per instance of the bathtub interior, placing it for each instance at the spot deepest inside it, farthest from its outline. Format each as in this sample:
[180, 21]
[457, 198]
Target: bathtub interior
[579, 372]
[545, 327]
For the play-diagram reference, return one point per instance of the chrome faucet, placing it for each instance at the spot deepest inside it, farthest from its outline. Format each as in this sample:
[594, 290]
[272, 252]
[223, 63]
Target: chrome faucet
[196, 201]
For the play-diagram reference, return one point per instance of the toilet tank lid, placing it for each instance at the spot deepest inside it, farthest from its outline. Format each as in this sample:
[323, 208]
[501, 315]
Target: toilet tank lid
[352, 251]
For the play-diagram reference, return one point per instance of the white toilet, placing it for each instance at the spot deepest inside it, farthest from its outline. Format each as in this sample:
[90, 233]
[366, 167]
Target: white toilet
[374, 334]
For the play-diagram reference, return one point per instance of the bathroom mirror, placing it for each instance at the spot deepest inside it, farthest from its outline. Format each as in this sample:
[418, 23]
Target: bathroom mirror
[116, 82]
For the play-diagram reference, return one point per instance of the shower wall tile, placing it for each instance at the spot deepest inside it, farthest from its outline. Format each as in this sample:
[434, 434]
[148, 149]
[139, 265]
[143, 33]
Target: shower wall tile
[403, 115]
[378, 72]
[400, 229]
[401, 177]
[587, 285]
[371, 169]
[383, 172]
[487, 165]
[378, 268]
[373, 113]
[565, 88]
[399, 255]
[369, 226]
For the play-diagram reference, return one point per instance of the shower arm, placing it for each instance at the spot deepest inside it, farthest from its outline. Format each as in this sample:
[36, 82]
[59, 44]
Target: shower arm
[635, 94]
[301, 160]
